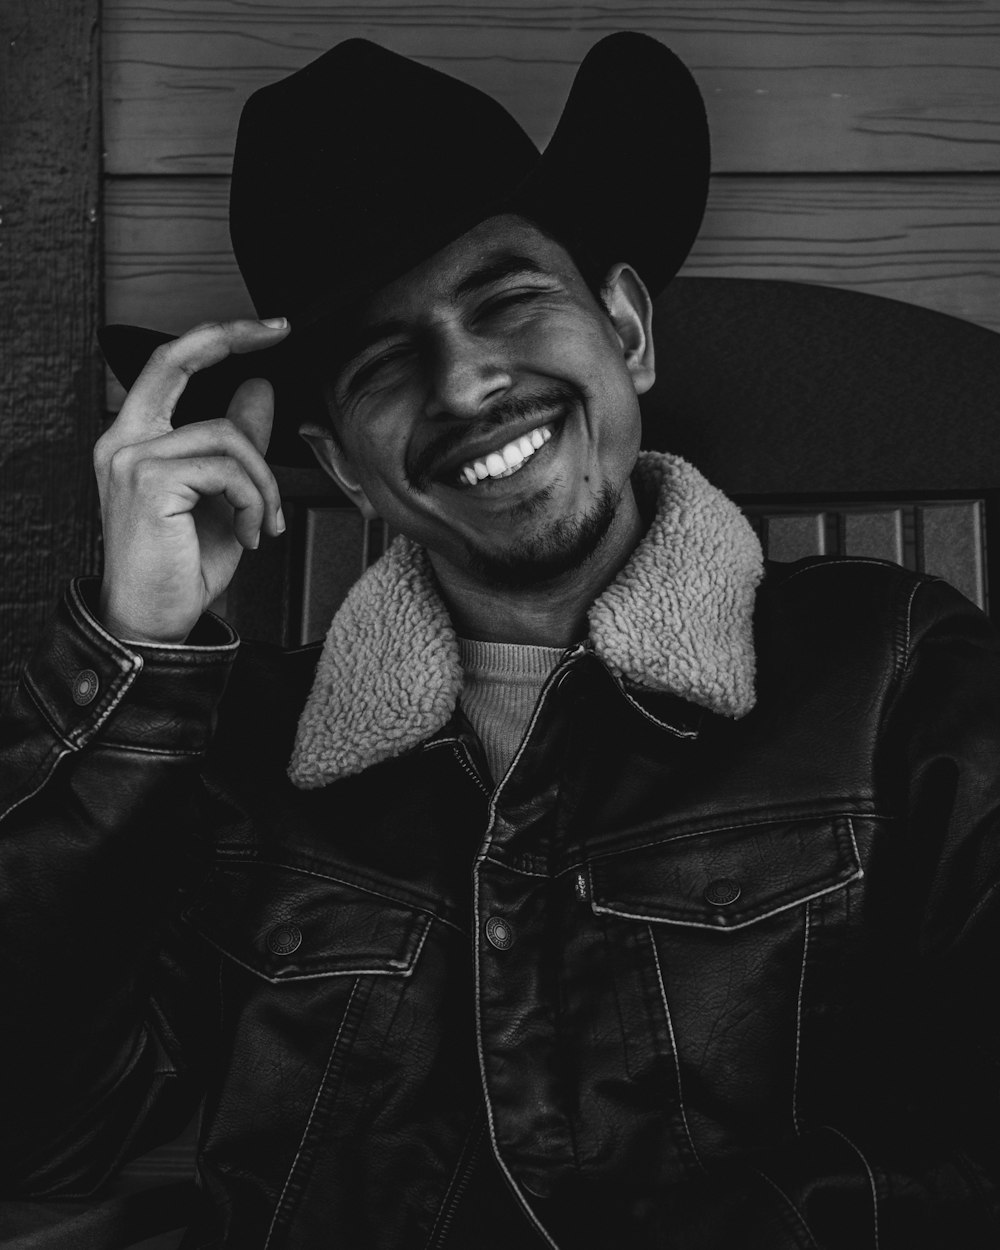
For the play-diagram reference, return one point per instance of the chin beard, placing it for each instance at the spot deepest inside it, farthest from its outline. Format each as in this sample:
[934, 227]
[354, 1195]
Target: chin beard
[557, 549]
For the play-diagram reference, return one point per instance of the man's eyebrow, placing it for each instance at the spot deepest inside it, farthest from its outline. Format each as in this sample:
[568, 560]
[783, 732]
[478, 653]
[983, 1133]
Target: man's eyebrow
[497, 268]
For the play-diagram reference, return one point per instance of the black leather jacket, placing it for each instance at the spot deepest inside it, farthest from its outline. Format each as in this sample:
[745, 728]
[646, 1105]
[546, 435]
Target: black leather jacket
[685, 982]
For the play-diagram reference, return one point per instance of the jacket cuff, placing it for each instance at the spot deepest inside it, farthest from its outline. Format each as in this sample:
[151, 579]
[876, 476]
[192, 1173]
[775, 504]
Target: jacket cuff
[136, 695]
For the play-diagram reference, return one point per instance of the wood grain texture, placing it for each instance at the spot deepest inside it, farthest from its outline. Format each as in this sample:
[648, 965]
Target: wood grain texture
[50, 376]
[867, 85]
[933, 241]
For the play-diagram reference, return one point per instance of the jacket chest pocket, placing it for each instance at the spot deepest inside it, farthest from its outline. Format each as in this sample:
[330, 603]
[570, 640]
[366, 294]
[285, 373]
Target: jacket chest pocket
[284, 925]
[304, 958]
[712, 937]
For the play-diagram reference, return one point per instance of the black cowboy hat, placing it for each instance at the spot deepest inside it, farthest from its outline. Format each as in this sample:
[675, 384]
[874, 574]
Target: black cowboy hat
[351, 171]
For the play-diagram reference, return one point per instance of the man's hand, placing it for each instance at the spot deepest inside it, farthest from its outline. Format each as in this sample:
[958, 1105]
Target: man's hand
[178, 506]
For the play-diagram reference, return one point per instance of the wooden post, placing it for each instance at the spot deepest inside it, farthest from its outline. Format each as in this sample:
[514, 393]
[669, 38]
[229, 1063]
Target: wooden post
[50, 375]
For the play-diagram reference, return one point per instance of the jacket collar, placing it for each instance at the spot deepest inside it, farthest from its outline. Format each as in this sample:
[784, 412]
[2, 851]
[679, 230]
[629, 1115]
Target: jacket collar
[677, 619]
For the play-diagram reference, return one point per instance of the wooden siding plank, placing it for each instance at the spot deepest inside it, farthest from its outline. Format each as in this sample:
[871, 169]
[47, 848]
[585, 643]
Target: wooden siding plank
[911, 85]
[50, 373]
[930, 241]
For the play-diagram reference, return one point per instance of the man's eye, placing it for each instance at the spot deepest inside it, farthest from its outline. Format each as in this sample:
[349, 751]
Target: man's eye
[509, 299]
[372, 369]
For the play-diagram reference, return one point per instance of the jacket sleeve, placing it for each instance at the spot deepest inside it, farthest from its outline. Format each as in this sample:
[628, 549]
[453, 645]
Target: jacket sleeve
[100, 802]
[922, 1168]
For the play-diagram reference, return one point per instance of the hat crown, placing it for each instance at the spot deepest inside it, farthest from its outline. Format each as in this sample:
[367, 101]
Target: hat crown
[355, 168]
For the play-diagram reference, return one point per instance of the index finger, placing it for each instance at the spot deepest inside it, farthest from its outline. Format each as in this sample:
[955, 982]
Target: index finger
[149, 405]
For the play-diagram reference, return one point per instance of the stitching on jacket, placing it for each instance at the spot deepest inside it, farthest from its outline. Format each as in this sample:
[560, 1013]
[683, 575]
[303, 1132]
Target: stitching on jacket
[240, 857]
[746, 824]
[164, 751]
[803, 1226]
[849, 560]
[458, 750]
[731, 928]
[44, 773]
[469, 1146]
[903, 659]
[660, 724]
[673, 1047]
[312, 1116]
[398, 967]
[871, 1179]
[798, 1021]
[40, 705]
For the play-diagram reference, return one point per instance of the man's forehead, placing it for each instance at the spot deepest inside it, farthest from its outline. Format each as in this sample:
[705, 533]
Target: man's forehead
[491, 251]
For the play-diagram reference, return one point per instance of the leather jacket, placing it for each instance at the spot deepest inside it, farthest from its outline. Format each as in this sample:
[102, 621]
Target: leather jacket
[683, 981]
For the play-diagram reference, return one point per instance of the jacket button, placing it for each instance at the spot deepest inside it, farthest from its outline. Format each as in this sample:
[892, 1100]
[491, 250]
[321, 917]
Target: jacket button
[499, 932]
[284, 939]
[722, 892]
[85, 687]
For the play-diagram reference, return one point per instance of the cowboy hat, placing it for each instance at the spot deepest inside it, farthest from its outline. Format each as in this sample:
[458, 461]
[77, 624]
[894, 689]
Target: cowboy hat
[353, 170]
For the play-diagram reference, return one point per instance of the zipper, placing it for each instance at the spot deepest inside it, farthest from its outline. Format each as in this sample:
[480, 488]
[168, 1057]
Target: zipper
[459, 1185]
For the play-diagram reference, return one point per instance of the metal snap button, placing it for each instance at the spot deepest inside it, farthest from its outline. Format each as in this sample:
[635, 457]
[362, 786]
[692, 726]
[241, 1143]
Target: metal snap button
[85, 686]
[499, 932]
[722, 892]
[284, 939]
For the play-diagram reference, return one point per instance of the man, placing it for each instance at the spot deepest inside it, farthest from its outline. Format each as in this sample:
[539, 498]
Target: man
[616, 893]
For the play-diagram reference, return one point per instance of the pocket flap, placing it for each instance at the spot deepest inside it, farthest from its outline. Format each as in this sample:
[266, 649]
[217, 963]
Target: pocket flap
[287, 925]
[727, 878]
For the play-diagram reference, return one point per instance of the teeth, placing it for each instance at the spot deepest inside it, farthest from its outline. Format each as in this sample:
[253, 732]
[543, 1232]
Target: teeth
[507, 460]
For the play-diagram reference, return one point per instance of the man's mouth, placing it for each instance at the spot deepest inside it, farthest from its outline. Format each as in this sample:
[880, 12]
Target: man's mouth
[506, 460]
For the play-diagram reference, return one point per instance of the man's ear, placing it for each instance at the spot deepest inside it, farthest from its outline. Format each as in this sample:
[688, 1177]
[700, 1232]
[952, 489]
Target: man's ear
[631, 310]
[333, 461]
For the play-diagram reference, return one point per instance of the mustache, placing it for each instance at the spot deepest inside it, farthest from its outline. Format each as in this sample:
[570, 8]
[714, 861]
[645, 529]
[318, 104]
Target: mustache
[508, 411]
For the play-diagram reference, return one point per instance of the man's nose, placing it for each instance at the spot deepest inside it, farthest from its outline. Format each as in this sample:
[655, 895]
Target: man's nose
[466, 373]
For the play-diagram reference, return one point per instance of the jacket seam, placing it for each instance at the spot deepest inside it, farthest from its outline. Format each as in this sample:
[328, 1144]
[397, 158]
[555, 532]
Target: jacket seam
[686, 734]
[424, 910]
[467, 1152]
[167, 752]
[312, 1115]
[749, 824]
[871, 1179]
[397, 969]
[673, 1049]
[799, 1218]
[729, 928]
[798, 1020]
[45, 769]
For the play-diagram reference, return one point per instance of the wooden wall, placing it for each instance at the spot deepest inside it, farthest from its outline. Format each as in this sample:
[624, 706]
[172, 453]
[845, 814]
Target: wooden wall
[856, 144]
[51, 380]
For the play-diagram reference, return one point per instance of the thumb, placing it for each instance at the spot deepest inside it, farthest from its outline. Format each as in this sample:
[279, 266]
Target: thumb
[251, 410]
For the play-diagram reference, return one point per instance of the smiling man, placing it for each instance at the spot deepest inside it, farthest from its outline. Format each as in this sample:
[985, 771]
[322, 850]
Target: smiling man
[593, 884]
[492, 416]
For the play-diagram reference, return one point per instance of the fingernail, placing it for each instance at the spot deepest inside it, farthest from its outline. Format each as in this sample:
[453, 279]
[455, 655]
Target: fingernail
[279, 521]
[256, 542]
[274, 323]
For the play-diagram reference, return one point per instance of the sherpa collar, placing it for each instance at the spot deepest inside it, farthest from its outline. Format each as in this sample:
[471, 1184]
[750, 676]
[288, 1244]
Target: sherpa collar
[678, 618]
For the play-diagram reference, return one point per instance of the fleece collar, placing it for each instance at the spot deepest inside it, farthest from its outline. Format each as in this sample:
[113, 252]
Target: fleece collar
[678, 618]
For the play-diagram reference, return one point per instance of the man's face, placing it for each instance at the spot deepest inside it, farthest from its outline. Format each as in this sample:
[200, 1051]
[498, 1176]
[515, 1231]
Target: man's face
[488, 407]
